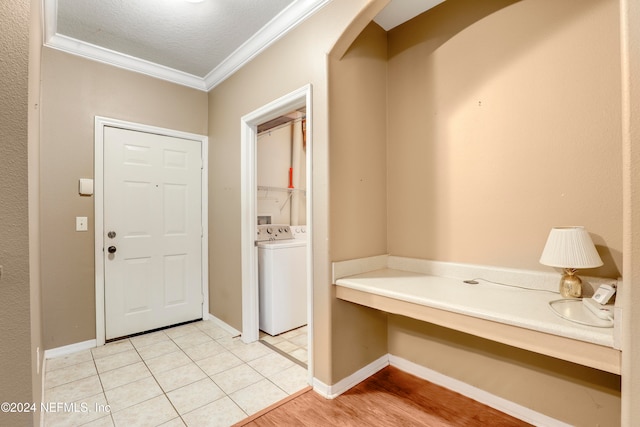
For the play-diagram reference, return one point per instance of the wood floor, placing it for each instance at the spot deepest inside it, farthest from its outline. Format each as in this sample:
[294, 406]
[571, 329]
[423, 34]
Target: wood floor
[389, 398]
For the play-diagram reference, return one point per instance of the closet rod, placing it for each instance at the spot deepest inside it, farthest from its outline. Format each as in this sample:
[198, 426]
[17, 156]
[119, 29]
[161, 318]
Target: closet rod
[281, 125]
[290, 190]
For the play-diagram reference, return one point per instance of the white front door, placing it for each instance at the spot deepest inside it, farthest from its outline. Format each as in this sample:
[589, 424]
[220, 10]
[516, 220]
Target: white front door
[152, 231]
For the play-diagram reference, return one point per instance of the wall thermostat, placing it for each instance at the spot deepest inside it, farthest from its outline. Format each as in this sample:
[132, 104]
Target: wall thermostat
[85, 187]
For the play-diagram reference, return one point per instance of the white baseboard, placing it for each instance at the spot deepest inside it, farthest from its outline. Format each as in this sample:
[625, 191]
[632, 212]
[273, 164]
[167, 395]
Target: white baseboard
[69, 349]
[479, 395]
[335, 390]
[491, 400]
[89, 344]
[224, 325]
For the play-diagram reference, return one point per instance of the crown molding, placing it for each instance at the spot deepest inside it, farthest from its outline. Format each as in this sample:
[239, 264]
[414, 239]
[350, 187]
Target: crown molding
[285, 21]
[117, 59]
[279, 26]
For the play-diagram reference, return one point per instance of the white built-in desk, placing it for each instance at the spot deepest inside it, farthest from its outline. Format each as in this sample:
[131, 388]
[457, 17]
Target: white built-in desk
[518, 317]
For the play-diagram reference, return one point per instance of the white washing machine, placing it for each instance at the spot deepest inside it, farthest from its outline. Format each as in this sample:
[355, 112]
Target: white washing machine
[282, 276]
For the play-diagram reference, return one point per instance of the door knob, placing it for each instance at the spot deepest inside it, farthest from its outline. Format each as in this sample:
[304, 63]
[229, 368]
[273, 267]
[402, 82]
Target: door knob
[111, 249]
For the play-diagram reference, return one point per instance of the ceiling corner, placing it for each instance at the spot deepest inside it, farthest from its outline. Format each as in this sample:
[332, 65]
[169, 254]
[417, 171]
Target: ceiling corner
[277, 28]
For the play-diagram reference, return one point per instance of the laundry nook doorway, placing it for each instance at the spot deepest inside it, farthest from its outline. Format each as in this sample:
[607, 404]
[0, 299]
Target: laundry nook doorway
[299, 100]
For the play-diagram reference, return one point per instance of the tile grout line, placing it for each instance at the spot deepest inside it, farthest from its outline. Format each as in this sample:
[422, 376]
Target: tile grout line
[104, 393]
[156, 380]
[150, 372]
[244, 363]
[208, 376]
[276, 350]
[196, 364]
[47, 390]
[229, 347]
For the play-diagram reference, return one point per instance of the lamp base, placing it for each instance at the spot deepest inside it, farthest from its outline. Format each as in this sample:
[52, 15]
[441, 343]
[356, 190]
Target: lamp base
[570, 284]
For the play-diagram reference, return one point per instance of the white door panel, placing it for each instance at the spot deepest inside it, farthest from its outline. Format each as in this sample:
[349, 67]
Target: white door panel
[152, 201]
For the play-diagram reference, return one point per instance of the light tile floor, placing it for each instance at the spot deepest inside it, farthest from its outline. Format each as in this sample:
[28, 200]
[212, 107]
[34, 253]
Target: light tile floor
[293, 343]
[194, 375]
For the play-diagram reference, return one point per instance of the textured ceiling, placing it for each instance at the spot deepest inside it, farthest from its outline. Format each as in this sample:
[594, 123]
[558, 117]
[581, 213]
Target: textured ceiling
[186, 36]
[196, 43]
[399, 11]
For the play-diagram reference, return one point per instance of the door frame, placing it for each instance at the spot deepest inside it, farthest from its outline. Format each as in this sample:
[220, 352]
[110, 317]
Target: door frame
[249, 191]
[100, 124]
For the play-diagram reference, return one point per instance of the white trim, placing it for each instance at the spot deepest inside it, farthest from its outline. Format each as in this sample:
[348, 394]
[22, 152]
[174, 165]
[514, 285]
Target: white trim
[310, 232]
[352, 267]
[528, 278]
[248, 209]
[67, 350]
[248, 181]
[120, 60]
[100, 124]
[277, 28]
[280, 25]
[50, 19]
[204, 248]
[335, 390]
[506, 406]
[224, 325]
[98, 209]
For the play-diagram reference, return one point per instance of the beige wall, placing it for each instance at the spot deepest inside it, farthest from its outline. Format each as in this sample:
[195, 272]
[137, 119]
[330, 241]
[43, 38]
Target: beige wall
[37, 344]
[507, 74]
[358, 152]
[502, 121]
[358, 188]
[575, 394]
[300, 58]
[630, 14]
[74, 91]
[16, 362]
[540, 124]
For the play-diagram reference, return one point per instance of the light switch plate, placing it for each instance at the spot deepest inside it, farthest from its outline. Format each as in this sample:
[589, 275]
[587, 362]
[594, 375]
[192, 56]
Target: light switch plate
[82, 223]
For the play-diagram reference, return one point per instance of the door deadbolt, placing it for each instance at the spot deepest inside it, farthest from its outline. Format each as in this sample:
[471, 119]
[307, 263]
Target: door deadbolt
[111, 249]
[111, 234]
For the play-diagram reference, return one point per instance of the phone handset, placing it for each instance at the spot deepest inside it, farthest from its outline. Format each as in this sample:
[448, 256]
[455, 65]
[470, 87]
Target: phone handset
[598, 303]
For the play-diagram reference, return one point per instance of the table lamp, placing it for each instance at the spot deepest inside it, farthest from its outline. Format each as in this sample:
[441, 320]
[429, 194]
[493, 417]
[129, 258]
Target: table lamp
[570, 248]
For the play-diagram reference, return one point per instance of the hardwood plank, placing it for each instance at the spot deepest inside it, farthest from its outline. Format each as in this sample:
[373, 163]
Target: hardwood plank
[390, 397]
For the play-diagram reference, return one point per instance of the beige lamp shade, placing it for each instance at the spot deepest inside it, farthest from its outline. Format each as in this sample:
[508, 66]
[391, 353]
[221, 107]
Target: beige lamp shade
[570, 247]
